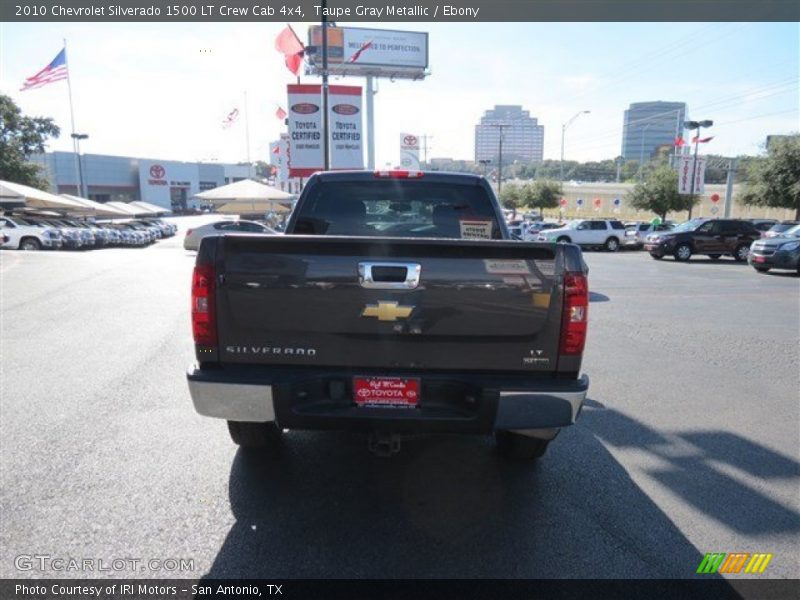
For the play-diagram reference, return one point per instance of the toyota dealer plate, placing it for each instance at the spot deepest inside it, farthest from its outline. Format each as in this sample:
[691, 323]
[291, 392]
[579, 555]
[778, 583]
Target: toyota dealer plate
[393, 392]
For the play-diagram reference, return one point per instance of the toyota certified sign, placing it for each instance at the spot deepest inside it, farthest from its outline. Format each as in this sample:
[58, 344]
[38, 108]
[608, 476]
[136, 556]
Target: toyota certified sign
[410, 140]
[409, 151]
[157, 172]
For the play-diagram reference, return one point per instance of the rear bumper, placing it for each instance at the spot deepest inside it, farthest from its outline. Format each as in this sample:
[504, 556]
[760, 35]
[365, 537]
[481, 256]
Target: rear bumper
[321, 399]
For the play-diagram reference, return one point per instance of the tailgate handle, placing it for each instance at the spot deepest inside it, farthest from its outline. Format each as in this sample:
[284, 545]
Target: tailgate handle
[389, 275]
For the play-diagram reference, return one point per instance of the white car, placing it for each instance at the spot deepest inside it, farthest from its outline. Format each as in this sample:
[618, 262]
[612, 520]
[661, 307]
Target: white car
[26, 235]
[606, 233]
[193, 236]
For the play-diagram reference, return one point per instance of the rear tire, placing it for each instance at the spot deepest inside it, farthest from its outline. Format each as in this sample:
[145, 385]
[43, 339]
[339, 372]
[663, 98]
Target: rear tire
[683, 252]
[741, 253]
[255, 436]
[564, 240]
[516, 446]
[612, 244]
[29, 244]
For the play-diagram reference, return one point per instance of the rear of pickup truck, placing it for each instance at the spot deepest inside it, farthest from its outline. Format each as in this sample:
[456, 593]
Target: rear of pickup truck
[391, 306]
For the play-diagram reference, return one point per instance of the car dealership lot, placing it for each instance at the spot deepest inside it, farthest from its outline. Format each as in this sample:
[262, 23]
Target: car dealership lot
[689, 444]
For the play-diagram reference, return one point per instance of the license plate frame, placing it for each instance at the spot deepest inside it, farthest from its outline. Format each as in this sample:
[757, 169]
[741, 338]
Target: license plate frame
[386, 392]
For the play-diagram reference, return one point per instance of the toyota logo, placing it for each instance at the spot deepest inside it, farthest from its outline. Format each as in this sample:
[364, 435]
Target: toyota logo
[345, 109]
[410, 140]
[305, 108]
[157, 172]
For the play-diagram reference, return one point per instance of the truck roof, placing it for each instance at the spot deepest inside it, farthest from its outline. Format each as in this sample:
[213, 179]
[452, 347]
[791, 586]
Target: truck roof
[371, 175]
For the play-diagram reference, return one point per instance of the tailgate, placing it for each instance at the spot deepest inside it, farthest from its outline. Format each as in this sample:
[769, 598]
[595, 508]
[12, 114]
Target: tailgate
[393, 303]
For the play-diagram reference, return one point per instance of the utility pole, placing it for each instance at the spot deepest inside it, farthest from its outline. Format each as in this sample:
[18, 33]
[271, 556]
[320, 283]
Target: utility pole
[563, 132]
[425, 137]
[500, 127]
[325, 119]
[732, 166]
[83, 190]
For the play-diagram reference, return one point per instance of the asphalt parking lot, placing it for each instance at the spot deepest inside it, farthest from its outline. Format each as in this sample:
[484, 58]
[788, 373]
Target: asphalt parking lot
[690, 442]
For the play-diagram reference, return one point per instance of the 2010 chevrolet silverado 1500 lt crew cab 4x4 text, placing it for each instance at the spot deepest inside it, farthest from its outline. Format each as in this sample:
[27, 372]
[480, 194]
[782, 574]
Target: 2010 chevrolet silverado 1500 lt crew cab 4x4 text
[395, 303]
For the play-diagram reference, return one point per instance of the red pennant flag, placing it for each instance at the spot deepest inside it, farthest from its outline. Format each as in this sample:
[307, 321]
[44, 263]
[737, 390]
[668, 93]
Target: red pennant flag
[294, 62]
[280, 113]
[276, 150]
[679, 141]
[288, 44]
[696, 140]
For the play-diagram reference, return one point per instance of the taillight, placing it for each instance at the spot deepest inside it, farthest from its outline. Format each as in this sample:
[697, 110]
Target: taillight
[188, 231]
[574, 316]
[204, 321]
[399, 174]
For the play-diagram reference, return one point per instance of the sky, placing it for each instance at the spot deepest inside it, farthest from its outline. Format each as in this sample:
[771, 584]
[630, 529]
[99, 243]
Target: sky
[161, 90]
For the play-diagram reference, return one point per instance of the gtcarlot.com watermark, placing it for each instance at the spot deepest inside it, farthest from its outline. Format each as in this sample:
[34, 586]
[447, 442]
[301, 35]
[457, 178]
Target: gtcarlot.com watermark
[61, 564]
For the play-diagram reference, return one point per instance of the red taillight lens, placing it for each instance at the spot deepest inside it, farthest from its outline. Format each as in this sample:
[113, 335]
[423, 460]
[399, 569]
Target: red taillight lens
[575, 314]
[204, 320]
[188, 231]
[399, 174]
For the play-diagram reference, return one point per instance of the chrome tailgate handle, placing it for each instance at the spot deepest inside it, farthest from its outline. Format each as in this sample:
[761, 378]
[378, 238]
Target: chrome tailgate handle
[389, 275]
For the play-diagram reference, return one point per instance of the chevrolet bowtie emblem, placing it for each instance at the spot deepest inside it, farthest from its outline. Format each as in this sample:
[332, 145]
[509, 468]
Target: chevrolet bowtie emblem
[387, 311]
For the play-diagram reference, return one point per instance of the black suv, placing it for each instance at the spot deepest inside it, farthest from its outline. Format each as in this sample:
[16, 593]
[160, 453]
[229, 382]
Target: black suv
[712, 237]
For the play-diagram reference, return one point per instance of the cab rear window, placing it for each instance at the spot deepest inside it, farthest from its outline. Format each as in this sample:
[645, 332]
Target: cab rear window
[397, 208]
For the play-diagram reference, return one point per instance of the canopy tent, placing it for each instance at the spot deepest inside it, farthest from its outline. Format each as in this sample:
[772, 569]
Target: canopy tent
[259, 197]
[96, 209]
[156, 210]
[34, 198]
[129, 210]
[251, 208]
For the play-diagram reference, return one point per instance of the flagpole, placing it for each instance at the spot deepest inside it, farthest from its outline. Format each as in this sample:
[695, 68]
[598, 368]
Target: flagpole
[247, 136]
[78, 177]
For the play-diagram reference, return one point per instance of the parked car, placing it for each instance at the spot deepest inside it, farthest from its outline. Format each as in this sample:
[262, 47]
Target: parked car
[763, 225]
[635, 234]
[167, 229]
[356, 320]
[780, 228]
[712, 237]
[193, 236]
[534, 229]
[73, 229]
[22, 234]
[605, 233]
[777, 252]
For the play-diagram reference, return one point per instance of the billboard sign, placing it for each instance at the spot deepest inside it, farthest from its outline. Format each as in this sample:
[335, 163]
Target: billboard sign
[409, 151]
[378, 52]
[305, 151]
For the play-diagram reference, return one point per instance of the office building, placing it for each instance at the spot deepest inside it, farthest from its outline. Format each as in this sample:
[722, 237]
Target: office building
[523, 137]
[650, 125]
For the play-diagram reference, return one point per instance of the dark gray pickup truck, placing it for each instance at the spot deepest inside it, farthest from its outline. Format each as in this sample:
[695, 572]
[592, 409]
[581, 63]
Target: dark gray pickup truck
[395, 303]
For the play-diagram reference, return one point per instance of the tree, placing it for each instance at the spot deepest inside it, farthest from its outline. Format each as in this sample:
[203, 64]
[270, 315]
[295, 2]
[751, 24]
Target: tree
[775, 181]
[542, 194]
[21, 136]
[511, 197]
[659, 193]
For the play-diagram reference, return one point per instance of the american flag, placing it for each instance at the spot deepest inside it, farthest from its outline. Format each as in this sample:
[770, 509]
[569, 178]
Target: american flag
[55, 71]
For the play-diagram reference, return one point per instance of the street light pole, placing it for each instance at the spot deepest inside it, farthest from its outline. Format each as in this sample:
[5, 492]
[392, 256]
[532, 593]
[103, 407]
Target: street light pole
[325, 120]
[563, 132]
[641, 153]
